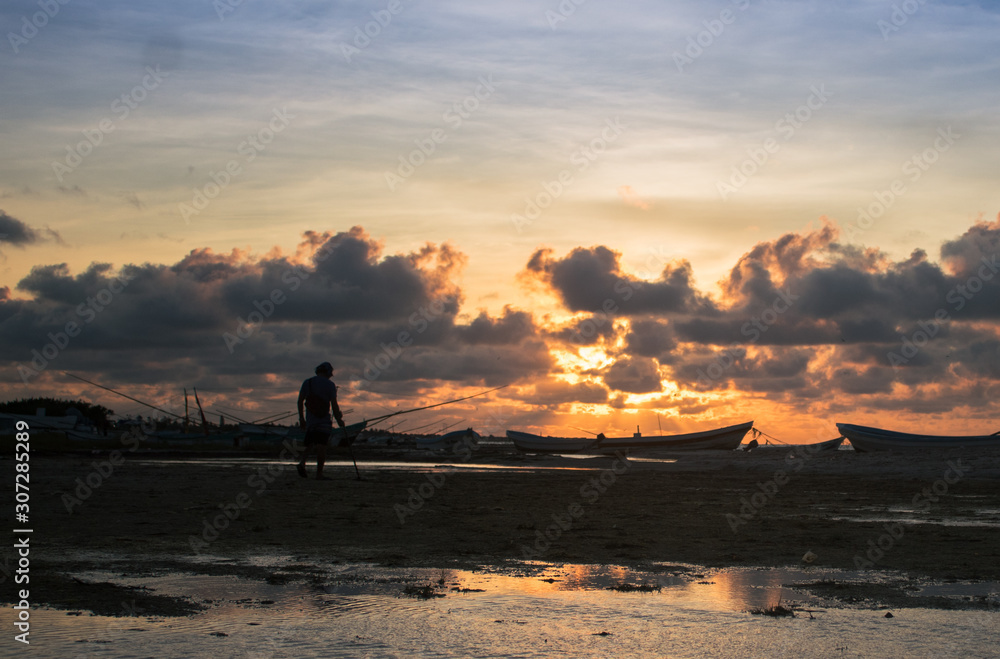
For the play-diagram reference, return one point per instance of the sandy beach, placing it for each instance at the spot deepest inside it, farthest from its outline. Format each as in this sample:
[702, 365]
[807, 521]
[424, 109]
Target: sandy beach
[930, 514]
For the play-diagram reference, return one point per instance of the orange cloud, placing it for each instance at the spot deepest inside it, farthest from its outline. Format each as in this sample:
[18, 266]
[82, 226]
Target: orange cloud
[631, 197]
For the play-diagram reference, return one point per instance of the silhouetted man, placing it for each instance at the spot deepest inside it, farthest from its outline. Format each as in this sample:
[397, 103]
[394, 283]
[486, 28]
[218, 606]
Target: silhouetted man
[318, 396]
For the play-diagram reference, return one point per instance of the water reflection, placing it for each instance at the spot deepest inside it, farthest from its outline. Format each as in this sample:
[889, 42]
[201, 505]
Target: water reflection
[382, 465]
[363, 610]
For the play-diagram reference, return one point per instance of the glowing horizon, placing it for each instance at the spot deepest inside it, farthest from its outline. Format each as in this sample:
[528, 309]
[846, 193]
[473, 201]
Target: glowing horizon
[612, 237]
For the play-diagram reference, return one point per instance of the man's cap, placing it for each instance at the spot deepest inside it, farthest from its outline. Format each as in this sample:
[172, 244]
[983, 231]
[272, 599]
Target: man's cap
[325, 367]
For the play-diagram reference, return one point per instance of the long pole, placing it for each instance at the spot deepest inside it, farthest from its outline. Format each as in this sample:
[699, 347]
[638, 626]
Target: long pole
[350, 450]
[204, 421]
[427, 407]
[158, 409]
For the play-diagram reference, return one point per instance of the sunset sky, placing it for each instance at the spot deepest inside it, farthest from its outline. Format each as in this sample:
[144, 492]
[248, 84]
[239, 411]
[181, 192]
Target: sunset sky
[683, 215]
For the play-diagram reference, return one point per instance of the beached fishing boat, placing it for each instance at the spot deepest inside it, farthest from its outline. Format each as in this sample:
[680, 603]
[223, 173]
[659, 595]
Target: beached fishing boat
[529, 443]
[864, 439]
[720, 439]
[828, 445]
[448, 439]
[348, 434]
[91, 435]
[8, 422]
[258, 429]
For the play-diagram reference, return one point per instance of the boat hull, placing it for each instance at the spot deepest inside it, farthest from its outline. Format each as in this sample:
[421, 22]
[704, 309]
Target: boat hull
[529, 443]
[865, 439]
[449, 439]
[828, 445]
[719, 439]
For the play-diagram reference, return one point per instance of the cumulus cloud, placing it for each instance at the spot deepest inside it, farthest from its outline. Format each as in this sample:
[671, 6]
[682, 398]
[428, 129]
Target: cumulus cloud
[235, 320]
[592, 280]
[795, 316]
[802, 320]
[633, 375]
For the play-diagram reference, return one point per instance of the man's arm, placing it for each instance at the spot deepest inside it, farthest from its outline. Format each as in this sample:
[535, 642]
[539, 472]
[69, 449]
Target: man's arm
[337, 414]
[301, 402]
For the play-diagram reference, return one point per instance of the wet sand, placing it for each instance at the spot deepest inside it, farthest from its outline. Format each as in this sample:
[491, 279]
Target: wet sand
[713, 509]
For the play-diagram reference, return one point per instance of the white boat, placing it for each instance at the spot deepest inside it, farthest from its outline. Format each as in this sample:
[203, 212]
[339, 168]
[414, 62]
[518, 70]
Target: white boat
[529, 443]
[722, 439]
[828, 445]
[865, 438]
[719, 439]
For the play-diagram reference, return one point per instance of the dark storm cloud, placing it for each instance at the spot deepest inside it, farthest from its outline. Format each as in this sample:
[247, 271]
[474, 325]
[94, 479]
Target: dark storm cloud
[980, 359]
[908, 322]
[967, 253]
[15, 232]
[584, 331]
[810, 290]
[592, 280]
[799, 319]
[387, 321]
[650, 338]
[633, 375]
[513, 327]
[553, 393]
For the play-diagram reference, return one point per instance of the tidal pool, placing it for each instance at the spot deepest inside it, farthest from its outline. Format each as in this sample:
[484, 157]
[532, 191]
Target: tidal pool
[541, 611]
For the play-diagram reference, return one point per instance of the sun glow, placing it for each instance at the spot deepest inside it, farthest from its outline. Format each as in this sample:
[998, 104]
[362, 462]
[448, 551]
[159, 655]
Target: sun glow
[576, 364]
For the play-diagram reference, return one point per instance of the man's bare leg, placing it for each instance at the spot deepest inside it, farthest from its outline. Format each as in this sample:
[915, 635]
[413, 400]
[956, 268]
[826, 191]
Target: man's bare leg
[320, 459]
[301, 466]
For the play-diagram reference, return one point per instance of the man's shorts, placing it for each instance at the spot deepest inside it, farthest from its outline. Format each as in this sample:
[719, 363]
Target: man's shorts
[318, 436]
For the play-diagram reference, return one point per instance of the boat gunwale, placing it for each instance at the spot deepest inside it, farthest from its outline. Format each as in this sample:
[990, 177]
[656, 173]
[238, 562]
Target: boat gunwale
[548, 443]
[881, 434]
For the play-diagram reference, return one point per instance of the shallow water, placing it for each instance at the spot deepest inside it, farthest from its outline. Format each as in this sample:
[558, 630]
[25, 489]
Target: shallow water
[364, 611]
[347, 466]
